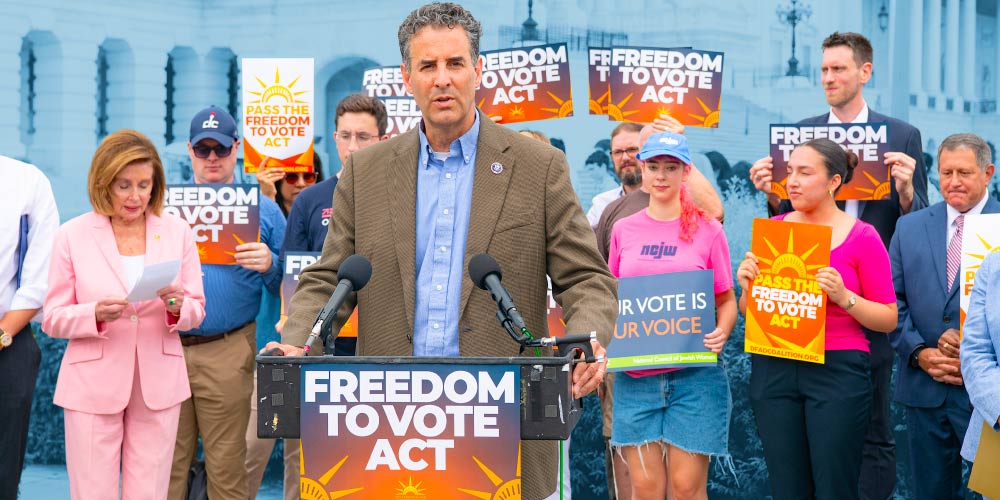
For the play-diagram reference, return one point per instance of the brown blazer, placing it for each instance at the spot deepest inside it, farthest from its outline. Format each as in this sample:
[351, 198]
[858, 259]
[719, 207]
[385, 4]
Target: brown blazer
[527, 217]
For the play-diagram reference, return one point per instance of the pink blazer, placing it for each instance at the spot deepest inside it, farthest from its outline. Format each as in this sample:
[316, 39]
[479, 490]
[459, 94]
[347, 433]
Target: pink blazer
[98, 367]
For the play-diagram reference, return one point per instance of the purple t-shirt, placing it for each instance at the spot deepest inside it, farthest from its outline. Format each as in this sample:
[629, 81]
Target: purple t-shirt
[665, 252]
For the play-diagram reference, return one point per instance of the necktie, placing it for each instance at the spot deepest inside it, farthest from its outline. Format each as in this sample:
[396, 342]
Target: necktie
[955, 250]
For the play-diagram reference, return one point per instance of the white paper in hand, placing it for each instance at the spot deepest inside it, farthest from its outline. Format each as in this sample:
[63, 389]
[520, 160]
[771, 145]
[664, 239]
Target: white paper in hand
[153, 278]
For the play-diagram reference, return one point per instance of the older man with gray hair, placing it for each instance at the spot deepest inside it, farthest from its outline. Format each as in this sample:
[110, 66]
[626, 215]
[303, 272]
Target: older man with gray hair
[926, 253]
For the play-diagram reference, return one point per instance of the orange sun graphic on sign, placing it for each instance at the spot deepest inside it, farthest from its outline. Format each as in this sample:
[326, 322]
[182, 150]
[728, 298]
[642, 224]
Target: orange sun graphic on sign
[615, 110]
[516, 112]
[779, 188]
[790, 260]
[505, 490]
[597, 107]
[982, 256]
[880, 190]
[410, 490]
[565, 107]
[711, 118]
[311, 489]
[276, 89]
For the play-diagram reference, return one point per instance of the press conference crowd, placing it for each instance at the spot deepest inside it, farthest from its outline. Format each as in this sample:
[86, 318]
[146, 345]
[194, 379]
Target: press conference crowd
[144, 383]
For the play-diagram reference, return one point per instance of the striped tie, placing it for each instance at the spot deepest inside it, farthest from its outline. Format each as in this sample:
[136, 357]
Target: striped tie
[955, 250]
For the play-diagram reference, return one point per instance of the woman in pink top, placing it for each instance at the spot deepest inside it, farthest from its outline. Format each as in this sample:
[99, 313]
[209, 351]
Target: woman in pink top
[670, 416]
[812, 418]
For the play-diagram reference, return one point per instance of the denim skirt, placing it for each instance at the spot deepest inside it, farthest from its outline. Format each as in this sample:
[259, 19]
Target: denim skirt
[687, 408]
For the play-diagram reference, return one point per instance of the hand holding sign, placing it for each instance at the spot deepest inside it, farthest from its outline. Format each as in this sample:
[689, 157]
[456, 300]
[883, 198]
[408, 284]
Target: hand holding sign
[254, 256]
[748, 270]
[667, 123]
[762, 174]
[267, 177]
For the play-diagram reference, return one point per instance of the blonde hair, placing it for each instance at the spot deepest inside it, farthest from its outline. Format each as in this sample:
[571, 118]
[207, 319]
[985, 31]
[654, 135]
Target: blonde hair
[117, 151]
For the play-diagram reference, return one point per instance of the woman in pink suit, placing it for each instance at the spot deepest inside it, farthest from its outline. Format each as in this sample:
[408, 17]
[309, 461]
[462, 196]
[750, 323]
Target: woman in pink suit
[123, 376]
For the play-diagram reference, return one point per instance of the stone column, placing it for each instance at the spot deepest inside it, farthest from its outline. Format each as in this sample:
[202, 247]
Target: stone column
[951, 60]
[916, 47]
[150, 91]
[967, 46]
[932, 47]
[189, 95]
[11, 37]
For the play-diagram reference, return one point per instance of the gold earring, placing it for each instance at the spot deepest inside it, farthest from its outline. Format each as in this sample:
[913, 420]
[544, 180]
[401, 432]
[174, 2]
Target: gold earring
[831, 192]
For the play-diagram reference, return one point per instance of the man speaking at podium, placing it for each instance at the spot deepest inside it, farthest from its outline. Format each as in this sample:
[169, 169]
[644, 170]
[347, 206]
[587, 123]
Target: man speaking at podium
[420, 205]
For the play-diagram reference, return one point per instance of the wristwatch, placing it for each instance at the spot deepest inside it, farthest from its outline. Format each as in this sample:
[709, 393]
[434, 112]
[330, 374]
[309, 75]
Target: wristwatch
[5, 339]
[914, 360]
[851, 302]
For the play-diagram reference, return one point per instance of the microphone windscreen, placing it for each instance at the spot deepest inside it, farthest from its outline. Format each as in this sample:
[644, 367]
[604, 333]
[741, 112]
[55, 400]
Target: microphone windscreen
[357, 270]
[482, 265]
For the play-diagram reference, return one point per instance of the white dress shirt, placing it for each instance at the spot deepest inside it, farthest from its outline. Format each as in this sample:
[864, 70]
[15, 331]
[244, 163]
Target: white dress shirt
[852, 207]
[600, 202]
[25, 191]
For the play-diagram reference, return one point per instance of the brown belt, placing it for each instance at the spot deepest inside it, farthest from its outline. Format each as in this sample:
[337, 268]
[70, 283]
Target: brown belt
[190, 340]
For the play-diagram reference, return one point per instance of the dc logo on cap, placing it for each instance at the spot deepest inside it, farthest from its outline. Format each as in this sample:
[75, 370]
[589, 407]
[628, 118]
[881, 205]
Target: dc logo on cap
[211, 122]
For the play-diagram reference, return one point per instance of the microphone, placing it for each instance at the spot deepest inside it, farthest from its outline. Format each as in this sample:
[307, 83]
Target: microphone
[352, 275]
[485, 273]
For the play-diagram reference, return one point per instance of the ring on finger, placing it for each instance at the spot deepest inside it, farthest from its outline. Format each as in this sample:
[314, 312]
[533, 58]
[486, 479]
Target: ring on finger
[172, 301]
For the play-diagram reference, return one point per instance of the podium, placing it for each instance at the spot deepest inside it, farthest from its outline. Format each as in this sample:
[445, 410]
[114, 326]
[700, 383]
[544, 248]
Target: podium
[548, 410]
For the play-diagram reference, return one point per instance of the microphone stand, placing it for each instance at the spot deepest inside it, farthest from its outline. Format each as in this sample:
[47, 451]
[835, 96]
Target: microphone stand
[571, 343]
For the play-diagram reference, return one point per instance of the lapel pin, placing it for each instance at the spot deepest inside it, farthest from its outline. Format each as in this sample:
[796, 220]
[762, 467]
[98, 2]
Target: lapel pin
[496, 168]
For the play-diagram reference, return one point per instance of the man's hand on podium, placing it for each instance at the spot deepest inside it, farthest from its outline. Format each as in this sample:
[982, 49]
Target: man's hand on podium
[286, 350]
[588, 376]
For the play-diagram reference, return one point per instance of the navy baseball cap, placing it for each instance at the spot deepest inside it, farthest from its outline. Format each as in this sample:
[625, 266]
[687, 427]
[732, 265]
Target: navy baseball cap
[665, 144]
[216, 123]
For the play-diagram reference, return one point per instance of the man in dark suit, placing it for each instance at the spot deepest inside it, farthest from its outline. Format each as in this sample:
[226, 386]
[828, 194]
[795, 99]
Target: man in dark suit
[846, 67]
[420, 205]
[925, 254]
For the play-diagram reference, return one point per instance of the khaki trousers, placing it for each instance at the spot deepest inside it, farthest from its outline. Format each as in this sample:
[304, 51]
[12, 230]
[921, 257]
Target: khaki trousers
[221, 377]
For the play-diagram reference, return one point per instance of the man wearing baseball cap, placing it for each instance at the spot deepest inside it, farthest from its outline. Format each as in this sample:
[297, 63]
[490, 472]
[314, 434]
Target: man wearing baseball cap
[220, 354]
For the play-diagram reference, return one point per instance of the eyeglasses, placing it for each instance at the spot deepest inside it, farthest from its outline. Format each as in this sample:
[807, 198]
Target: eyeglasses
[203, 151]
[616, 153]
[293, 178]
[345, 136]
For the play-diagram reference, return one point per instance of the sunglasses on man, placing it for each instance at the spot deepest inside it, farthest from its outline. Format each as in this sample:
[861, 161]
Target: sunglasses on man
[307, 177]
[203, 151]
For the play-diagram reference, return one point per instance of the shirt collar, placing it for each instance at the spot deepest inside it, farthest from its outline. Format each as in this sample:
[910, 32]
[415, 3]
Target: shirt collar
[464, 146]
[976, 210]
[861, 118]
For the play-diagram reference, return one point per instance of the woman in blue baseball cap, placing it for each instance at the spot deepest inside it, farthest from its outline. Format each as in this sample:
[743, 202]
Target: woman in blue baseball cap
[669, 422]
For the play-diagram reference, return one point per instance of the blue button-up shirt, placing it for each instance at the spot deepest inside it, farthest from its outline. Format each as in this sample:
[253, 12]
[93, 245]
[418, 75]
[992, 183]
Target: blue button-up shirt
[232, 292]
[444, 199]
